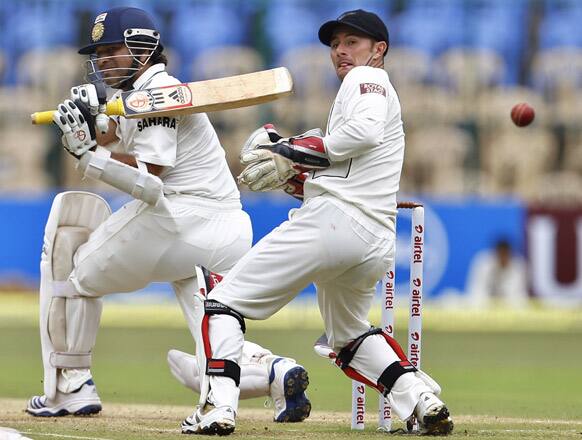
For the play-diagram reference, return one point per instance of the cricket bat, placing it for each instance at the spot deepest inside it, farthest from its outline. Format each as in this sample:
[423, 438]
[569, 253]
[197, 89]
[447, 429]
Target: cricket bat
[197, 97]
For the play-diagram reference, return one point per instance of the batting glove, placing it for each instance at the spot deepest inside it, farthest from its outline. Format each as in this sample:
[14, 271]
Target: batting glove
[78, 136]
[94, 97]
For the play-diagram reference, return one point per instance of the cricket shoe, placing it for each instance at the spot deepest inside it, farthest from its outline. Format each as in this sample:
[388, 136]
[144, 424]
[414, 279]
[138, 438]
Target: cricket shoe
[433, 415]
[210, 420]
[288, 382]
[81, 402]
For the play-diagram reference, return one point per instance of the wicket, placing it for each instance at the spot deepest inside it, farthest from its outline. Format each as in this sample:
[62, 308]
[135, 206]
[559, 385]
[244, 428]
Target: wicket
[387, 318]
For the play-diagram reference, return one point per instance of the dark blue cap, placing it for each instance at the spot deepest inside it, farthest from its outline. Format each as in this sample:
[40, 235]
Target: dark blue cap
[109, 26]
[363, 21]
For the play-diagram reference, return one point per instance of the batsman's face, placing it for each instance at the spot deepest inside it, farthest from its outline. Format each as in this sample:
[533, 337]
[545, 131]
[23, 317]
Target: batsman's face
[350, 49]
[113, 60]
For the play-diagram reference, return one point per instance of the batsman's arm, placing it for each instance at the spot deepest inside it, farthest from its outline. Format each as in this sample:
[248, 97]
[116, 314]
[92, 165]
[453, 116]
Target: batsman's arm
[114, 107]
[130, 160]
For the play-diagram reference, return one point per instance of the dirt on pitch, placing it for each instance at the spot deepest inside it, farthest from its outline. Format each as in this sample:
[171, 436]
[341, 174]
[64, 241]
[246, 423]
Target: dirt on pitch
[132, 422]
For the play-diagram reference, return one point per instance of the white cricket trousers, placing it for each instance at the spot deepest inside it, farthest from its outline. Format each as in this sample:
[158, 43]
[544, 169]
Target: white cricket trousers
[321, 244]
[140, 244]
[345, 258]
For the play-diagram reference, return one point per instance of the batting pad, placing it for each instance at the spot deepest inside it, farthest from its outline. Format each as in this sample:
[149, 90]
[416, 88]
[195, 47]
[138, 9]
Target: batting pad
[68, 323]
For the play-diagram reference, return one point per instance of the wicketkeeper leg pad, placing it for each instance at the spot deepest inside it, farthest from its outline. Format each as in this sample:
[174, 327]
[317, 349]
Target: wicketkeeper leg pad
[378, 361]
[68, 322]
[220, 327]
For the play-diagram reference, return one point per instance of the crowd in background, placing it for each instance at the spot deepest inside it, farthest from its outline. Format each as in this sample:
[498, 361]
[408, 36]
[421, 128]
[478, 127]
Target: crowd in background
[458, 66]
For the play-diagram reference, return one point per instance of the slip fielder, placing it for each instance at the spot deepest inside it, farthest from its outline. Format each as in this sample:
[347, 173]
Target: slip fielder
[341, 238]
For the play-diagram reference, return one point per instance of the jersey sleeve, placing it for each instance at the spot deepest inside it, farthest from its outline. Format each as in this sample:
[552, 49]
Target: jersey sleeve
[156, 140]
[363, 99]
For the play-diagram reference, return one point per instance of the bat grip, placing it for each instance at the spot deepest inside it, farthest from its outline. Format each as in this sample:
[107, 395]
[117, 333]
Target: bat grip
[114, 108]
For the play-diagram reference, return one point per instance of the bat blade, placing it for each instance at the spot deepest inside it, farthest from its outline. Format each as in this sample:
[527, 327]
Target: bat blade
[198, 97]
[209, 96]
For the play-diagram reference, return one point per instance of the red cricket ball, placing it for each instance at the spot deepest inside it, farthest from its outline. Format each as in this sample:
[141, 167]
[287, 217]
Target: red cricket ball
[522, 114]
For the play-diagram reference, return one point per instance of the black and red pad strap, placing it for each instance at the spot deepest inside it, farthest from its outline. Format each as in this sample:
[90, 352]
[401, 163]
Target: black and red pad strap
[212, 307]
[347, 353]
[225, 368]
[392, 373]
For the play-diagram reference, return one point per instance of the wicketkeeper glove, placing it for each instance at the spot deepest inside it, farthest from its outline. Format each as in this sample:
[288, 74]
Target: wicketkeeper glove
[294, 186]
[271, 165]
[265, 170]
[305, 153]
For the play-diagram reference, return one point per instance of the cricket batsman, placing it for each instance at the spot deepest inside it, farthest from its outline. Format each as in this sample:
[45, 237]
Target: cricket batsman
[341, 238]
[185, 210]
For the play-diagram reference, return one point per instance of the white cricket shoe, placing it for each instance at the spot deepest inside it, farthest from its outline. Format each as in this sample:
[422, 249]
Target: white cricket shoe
[82, 402]
[210, 420]
[433, 415]
[288, 384]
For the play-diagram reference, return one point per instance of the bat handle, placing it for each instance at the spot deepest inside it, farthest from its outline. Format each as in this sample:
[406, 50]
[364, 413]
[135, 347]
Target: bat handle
[114, 108]
[39, 118]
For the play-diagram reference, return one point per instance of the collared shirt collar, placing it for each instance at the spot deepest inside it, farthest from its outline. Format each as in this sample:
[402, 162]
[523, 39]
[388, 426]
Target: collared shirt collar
[148, 74]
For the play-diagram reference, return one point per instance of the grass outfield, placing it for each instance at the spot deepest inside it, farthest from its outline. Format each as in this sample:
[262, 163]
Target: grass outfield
[504, 375]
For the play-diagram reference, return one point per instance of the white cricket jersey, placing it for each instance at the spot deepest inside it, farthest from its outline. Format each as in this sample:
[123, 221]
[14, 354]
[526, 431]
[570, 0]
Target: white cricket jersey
[186, 146]
[365, 144]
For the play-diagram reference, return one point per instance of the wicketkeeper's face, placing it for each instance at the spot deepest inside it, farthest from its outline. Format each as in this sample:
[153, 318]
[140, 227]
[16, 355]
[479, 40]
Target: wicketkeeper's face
[350, 48]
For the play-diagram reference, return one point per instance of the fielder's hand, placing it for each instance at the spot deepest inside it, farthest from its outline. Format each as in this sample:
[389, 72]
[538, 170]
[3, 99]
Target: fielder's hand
[78, 136]
[273, 160]
[265, 170]
[95, 98]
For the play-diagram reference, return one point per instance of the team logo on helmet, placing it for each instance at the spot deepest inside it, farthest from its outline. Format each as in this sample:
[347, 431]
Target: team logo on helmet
[97, 32]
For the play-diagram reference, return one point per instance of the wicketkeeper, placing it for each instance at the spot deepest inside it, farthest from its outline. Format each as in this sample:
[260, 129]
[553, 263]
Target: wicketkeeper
[342, 239]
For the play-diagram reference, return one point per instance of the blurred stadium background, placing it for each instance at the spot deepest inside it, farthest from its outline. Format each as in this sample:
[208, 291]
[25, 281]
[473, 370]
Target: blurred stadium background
[458, 66]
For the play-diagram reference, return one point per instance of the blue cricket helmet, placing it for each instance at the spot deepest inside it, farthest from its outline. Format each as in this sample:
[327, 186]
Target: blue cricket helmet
[110, 27]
